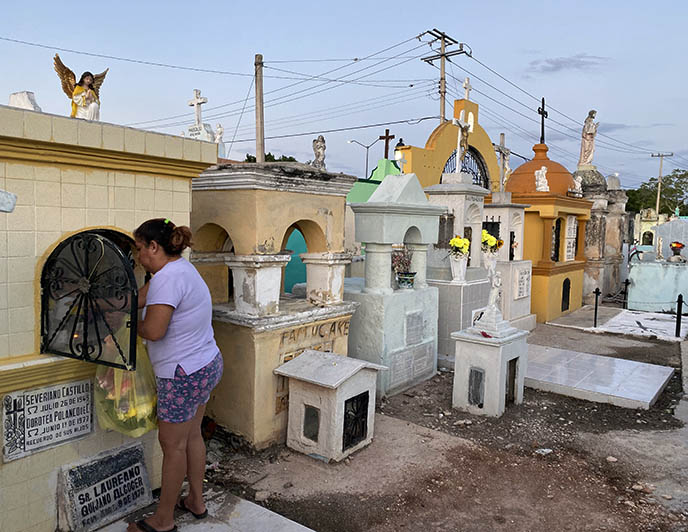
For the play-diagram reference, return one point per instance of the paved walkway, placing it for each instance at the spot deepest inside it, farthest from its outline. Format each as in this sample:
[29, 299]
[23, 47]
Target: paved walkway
[624, 383]
[228, 513]
[618, 321]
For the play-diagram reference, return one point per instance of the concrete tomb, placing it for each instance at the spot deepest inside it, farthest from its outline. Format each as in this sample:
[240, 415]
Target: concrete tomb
[243, 216]
[395, 328]
[491, 361]
[331, 404]
[504, 219]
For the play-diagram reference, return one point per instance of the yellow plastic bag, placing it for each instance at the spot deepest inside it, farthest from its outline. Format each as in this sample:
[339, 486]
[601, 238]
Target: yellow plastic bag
[126, 401]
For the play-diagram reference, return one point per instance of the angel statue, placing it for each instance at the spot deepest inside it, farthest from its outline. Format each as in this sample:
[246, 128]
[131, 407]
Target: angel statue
[319, 151]
[85, 94]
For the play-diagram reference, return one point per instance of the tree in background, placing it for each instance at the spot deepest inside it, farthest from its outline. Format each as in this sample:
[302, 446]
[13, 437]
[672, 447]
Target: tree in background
[270, 158]
[674, 194]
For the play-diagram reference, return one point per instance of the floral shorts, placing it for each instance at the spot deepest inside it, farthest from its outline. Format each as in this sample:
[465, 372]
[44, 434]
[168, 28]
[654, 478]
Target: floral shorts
[179, 398]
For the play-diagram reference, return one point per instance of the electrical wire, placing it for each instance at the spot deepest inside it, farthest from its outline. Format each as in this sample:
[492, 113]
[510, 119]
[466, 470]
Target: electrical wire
[248, 93]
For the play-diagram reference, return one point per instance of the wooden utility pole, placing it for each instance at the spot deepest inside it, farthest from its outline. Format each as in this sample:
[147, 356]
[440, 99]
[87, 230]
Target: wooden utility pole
[659, 184]
[260, 117]
[442, 56]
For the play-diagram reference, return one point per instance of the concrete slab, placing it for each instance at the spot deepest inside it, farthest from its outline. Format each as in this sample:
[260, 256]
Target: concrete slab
[227, 513]
[601, 379]
[628, 322]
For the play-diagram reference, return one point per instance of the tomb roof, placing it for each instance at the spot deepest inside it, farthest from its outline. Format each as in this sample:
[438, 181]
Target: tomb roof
[324, 369]
[559, 179]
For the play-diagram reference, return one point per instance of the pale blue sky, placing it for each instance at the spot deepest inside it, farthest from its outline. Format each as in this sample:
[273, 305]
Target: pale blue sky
[626, 59]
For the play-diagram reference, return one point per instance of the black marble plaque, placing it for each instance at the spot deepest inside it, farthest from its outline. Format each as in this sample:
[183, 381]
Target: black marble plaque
[104, 488]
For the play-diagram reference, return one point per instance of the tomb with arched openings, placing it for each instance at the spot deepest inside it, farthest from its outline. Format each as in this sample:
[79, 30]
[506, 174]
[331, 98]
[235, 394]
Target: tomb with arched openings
[243, 215]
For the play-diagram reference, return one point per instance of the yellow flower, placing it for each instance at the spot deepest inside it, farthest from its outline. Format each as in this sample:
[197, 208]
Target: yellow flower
[491, 241]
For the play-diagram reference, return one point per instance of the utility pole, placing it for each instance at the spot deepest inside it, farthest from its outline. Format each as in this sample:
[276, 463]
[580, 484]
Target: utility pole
[659, 184]
[442, 56]
[260, 117]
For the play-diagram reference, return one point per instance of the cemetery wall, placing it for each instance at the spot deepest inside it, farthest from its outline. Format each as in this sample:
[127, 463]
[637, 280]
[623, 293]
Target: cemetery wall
[71, 175]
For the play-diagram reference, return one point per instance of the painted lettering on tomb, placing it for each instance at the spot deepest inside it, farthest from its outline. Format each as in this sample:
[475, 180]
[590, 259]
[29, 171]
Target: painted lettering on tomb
[315, 332]
[34, 420]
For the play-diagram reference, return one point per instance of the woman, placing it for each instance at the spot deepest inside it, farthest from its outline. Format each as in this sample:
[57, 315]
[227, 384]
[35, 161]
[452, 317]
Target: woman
[85, 102]
[186, 361]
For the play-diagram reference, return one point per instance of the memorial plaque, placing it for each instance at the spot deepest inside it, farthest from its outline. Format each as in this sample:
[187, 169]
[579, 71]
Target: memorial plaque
[570, 249]
[104, 488]
[414, 328]
[522, 279]
[37, 419]
[571, 226]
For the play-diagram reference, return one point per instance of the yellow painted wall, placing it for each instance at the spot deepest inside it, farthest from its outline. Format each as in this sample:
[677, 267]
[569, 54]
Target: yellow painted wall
[547, 292]
[257, 220]
[250, 399]
[427, 163]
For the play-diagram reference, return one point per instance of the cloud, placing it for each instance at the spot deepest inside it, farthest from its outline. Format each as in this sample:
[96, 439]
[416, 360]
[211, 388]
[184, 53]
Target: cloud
[609, 127]
[574, 62]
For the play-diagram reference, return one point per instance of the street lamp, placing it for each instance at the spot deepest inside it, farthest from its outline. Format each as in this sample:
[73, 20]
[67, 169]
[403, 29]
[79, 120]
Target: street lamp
[366, 149]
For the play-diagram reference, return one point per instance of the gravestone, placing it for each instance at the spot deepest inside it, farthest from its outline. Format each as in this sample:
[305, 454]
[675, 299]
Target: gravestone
[24, 100]
[34, 420]
[102, 489]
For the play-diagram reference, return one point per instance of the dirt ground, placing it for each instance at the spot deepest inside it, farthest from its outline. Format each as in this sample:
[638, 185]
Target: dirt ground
[552, 463]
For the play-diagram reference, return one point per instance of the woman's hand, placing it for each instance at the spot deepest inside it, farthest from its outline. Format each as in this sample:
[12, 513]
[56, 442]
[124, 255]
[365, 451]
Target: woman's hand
[143, 292]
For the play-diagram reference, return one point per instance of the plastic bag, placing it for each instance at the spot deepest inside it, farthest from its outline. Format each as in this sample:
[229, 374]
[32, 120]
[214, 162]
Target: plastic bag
[126, 401]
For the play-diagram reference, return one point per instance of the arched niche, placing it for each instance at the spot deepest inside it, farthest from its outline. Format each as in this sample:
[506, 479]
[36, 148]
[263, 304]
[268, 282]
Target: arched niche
[213, 238]
[305, 236]
[648, 238]
[413, 236]
[312, 234]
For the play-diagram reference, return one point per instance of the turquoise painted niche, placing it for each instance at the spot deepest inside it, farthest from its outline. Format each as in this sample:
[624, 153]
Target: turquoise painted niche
[295, 272]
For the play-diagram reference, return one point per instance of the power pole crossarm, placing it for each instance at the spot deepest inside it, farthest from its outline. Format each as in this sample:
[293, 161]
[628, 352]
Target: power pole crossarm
[659, 182]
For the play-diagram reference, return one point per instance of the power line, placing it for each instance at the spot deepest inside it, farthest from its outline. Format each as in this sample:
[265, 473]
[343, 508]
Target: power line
[240, 117]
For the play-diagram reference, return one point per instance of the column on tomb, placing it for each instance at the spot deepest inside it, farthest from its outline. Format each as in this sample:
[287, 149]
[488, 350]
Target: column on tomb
[325, 276]
[419, 264]
[257, 282]
[378, 268]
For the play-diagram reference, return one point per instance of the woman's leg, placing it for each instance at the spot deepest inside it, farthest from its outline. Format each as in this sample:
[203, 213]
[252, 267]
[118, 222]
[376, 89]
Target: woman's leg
[173, 439]
[195, 464]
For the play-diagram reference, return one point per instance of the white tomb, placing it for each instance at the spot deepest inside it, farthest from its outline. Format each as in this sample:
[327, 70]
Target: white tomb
[199, 130]
[395, 328]
[24, 100]
[331, 404]
[505, 220]
[491, 361]
[463, 202]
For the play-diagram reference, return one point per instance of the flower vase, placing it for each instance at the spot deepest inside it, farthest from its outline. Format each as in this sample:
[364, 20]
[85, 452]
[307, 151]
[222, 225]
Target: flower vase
[458, 265]
[490, 261]
[405, 279]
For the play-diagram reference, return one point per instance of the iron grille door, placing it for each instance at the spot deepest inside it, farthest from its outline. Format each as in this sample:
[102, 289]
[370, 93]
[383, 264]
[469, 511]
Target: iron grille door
[89, 302]
[473, 164]
[355, 420]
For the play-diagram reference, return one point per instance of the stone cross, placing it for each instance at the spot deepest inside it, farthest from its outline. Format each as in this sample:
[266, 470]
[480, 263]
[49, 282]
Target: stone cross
[197, 102]
[7, 201]
[543, 113]
[467, 88]
[504, 154]
[387, 137]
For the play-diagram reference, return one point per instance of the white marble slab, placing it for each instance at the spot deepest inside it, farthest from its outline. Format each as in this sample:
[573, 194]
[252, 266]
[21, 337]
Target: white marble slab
[624, 383]
[640, 323]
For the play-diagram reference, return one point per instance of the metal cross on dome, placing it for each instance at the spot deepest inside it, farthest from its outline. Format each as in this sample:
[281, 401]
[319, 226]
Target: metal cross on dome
[543, 113]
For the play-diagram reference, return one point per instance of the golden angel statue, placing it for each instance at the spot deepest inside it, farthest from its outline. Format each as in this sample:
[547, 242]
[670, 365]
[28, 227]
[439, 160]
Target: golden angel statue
[85, 95]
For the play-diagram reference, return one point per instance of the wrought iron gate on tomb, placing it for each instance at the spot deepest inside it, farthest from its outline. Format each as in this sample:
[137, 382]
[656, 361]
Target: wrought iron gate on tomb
[473, 164]
[89, 299]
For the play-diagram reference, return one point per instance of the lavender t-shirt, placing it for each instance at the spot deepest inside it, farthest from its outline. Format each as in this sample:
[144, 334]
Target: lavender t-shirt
[189, 340]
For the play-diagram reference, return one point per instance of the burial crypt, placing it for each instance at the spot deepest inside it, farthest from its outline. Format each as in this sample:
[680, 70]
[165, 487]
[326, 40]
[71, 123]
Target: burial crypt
[82, 187]
[243, 216]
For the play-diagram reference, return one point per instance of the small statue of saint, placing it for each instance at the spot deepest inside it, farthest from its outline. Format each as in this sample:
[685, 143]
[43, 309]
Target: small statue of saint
[319, 152]
[85, 95]
[219, 133]
[541, 184]
[588, 138]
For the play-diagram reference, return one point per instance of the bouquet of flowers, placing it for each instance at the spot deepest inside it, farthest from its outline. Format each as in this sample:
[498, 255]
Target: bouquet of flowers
[490, 243]
[126, 401]
[401, 260]
[676, 245]
[458, 247]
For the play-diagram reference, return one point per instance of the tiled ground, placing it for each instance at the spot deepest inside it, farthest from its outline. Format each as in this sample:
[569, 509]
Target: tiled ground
[595, 378]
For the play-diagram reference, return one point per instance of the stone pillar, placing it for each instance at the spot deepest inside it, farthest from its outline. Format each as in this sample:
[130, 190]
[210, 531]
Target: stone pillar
[378, 268]
[325, 276]
[257, 282]
[419, 264]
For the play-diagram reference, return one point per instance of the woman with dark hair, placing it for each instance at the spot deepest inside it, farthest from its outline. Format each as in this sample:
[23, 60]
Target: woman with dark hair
[85, 103]
[187, 364]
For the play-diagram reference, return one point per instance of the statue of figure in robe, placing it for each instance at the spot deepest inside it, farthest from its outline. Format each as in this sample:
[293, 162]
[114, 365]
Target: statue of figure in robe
[319, 152]
[588, 139]
[541, 184]
[85, 95]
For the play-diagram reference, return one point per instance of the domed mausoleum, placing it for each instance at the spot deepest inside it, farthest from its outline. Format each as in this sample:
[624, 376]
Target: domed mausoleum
[554, 232]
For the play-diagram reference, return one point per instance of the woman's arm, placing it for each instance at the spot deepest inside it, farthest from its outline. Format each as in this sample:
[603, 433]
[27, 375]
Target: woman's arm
[154, 327]
[142, 294]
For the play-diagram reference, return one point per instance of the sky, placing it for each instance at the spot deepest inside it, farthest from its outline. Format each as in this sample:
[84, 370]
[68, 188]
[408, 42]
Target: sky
[624, 59]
